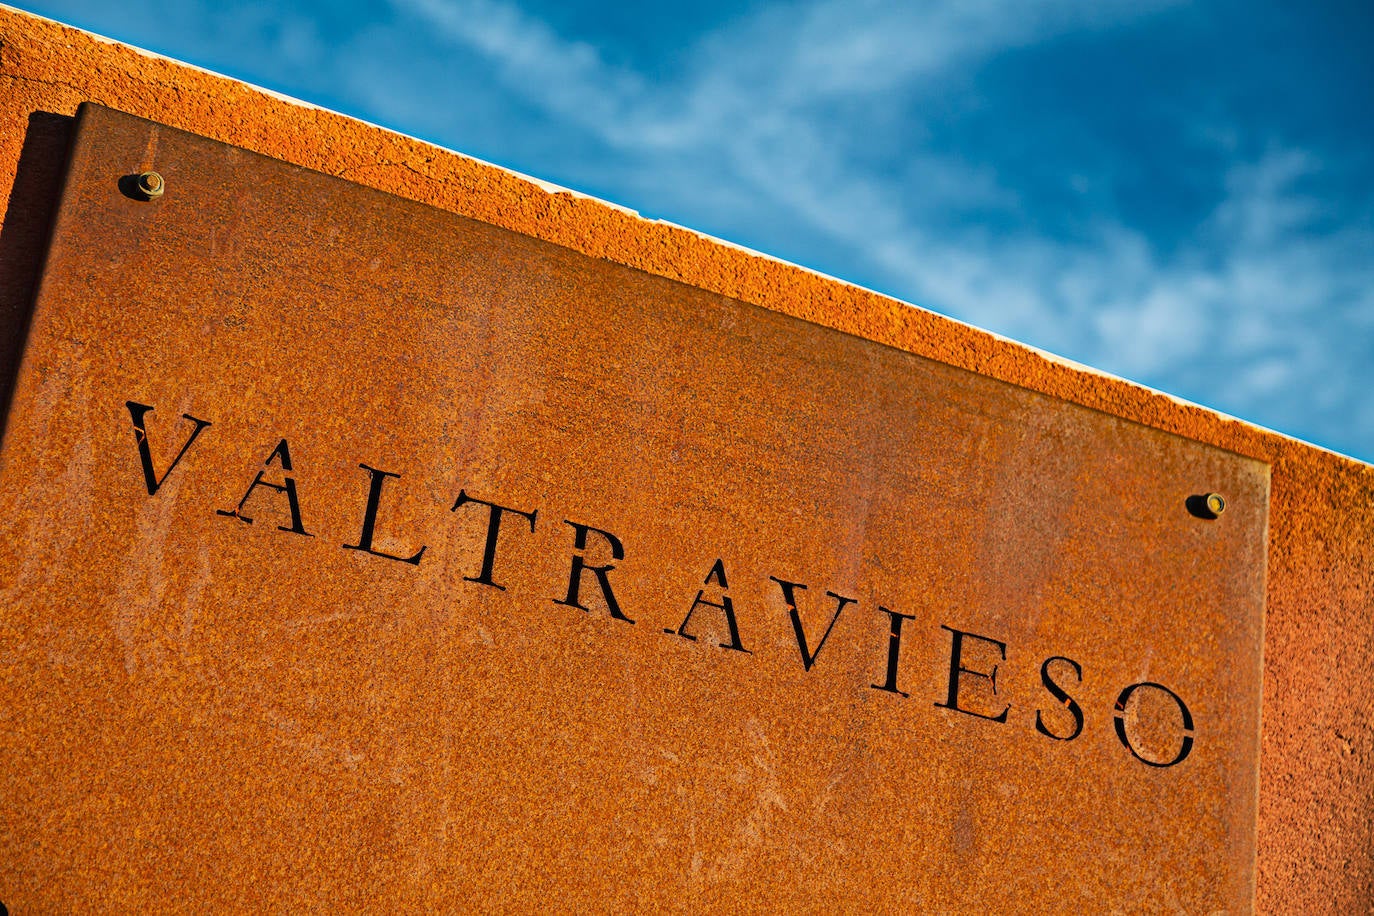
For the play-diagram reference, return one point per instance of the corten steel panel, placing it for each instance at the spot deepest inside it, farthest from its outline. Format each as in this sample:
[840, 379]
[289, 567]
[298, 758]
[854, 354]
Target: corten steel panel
[202, 711]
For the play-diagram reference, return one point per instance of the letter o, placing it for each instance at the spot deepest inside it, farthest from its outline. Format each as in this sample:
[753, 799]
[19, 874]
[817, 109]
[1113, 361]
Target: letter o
[1120, 723]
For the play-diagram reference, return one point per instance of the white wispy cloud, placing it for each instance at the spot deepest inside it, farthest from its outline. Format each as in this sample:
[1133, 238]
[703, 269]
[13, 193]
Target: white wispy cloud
[1247, 314]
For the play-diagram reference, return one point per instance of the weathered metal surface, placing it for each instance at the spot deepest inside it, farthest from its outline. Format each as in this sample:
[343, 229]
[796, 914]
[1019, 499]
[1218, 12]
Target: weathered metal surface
[305, 708]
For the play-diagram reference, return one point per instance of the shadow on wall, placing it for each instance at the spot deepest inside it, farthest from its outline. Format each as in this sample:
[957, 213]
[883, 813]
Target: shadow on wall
[24, 238]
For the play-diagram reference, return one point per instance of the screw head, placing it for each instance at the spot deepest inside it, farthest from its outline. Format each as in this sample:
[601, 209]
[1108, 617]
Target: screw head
[1207, 506]
[151, 185]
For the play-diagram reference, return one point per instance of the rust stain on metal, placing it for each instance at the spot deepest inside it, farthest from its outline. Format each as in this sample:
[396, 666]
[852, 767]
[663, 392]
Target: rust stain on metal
[393, 549]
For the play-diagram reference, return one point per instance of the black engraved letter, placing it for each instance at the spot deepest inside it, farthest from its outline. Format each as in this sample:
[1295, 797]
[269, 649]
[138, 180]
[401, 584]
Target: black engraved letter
[579, 566]
[1120, 715]
[374, 497]
[725, 604]
[137, 412]
[493, 530]
[894, 652]
[789, 595]
[288, 486]
[957, 668]
[1062, 696]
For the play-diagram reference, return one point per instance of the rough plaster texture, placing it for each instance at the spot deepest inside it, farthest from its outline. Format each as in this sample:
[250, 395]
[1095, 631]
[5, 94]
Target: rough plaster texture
[1316, 832]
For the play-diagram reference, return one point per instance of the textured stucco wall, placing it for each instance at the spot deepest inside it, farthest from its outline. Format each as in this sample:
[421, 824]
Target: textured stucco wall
[1316, 822]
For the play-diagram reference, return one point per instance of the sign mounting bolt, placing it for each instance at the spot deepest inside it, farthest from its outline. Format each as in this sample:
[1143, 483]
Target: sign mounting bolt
[1207, 506]
[151, 185]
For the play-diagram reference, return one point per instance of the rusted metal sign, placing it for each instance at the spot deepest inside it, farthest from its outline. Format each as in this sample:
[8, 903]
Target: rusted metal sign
[358, 552]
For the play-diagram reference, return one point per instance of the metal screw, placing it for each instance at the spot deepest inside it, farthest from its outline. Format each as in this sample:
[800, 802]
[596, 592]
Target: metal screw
[151, 185]
[1207, 506]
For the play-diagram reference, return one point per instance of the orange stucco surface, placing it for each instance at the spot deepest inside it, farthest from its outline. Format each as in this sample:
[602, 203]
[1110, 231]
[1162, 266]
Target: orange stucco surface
[1316, 833]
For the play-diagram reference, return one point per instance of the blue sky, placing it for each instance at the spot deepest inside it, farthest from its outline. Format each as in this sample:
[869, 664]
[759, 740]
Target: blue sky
[1178, 193]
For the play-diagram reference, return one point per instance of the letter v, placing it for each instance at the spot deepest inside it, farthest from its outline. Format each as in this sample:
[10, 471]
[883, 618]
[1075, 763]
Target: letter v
[789, 595]
[137, 411]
